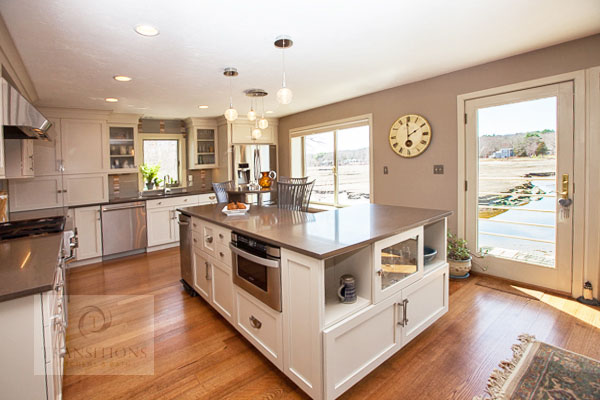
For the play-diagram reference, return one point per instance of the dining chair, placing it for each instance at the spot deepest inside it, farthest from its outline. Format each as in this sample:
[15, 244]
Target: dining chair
[221, 189]
[287, 179]
[294, 196]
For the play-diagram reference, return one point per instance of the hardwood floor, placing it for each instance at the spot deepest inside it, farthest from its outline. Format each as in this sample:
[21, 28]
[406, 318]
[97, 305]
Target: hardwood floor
[198, 355]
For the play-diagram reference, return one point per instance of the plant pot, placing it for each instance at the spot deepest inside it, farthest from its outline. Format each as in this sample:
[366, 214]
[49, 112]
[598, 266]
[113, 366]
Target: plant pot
[459, 268]
[150, 185]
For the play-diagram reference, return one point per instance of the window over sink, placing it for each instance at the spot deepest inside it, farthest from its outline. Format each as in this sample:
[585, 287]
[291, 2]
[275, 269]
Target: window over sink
[167, 151]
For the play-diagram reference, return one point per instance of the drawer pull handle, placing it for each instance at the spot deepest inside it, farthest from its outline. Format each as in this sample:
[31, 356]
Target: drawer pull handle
[185, 199]
[222, 254]
[207, 275]
[209, 239]
[255, 323]
[221, 236]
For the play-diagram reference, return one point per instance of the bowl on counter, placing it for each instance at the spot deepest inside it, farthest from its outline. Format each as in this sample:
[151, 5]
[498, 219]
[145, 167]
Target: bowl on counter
[429, 254]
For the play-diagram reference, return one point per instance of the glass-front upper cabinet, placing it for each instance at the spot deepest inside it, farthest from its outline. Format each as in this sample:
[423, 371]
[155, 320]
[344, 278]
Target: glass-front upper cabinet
[202, 143]
[398, 262]
[122, 142]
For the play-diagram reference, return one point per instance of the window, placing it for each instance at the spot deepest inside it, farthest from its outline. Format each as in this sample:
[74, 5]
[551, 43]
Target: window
[166, 151]
[337, 156]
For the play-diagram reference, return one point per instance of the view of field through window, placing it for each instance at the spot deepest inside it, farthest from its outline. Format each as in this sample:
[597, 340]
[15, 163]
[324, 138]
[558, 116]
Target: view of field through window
[517, 180]
[352, 155]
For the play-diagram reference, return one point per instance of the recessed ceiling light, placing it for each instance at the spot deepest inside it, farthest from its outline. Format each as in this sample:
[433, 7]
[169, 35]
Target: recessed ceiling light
[202, 106]
[121, 78]
[111, 100]
[146, 30]
[269, 112]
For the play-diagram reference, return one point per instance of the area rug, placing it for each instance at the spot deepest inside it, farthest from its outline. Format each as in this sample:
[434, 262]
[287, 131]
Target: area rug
[541, 371]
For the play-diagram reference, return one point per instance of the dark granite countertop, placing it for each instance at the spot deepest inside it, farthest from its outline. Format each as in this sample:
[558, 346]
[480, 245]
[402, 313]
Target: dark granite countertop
[320, 235]
[28, 265]
[118, 200]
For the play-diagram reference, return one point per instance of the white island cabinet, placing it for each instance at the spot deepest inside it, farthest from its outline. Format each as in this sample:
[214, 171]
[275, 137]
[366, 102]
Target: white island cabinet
[325, 346]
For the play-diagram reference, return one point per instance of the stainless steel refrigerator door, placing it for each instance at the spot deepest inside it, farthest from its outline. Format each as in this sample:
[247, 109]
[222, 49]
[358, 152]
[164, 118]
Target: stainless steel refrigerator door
[123, 228]
[185, 249]
[244, 153]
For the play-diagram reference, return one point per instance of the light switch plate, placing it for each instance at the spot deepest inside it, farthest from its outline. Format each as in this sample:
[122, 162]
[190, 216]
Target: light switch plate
[438, 169]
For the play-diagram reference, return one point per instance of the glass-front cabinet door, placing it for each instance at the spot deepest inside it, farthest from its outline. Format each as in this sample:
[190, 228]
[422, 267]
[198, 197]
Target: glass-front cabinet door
[398, 262]
[202, 143]
[122, 141]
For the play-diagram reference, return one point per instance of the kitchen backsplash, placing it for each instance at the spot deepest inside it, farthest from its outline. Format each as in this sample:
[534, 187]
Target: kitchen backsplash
[126, 185]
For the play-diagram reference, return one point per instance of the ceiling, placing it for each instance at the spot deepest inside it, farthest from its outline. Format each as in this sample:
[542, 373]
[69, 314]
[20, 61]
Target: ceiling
[342, 48]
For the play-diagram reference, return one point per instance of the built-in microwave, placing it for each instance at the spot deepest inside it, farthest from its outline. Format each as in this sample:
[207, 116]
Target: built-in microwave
[257, 269]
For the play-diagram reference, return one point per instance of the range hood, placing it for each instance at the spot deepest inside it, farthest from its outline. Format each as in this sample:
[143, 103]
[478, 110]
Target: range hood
[20, 118]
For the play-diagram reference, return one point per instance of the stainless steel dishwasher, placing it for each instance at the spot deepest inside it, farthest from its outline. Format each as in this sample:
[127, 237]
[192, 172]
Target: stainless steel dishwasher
[124, 228]
[185, 253]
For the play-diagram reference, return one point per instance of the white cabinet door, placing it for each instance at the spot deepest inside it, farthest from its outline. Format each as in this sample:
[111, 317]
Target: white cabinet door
[18, 158]
[47, 154]
[202, 271]
[31, 194]
[424, 302]
[222, 289]
[89, 232]
[160, 229]
[356, 346]
[241, 132]
[85, 189]
[84, 146]
[208, 238]
[397, 262]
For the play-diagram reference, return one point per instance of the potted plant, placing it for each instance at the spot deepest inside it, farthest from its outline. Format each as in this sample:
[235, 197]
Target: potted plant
[459, 257]
[150, 174]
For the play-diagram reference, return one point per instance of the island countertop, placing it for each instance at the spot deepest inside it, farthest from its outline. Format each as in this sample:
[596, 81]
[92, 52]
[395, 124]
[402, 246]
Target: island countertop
[320, 235]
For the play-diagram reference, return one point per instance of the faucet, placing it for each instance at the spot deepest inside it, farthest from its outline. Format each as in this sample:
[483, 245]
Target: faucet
[166, 189]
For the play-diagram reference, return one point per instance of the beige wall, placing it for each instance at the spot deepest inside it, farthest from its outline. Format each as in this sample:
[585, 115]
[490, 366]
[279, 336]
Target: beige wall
[411, 182]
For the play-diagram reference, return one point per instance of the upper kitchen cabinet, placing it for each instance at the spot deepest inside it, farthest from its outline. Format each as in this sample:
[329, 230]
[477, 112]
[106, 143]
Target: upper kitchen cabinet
[47, 153]
[123, 141]
[19, 158]
[203, 143]
[84, 146]
[241, 132]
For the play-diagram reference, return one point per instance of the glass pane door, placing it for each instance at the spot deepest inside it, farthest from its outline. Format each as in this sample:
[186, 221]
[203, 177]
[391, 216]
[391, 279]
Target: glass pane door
[399, 261]
[319, 165]
[205, 146]
[122, 152]
[519, 166]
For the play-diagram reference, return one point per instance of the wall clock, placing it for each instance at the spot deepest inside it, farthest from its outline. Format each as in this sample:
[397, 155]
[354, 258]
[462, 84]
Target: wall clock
[410, 135]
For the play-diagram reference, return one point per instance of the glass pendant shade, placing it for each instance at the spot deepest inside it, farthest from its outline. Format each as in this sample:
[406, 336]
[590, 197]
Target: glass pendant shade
[263, 123]
[284, 95]
[231, 114]
[251, 115]
[256, 134]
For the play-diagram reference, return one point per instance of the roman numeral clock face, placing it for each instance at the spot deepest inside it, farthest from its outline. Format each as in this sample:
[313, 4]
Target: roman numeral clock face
[410, 135]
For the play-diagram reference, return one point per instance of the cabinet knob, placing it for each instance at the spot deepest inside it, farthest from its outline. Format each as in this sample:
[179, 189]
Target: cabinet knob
[222, 254]
[221, 236]
[195, 240]
[255, 322]
[380, 272]
[209, 239]
[212, 197]
[195, 226]
[185, 199]
[159, 203]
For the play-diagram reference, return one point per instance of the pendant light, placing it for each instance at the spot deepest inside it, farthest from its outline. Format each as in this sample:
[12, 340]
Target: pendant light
[262, 122]
[256, 132]
[284, 95]
[231, 113]
[251, 113]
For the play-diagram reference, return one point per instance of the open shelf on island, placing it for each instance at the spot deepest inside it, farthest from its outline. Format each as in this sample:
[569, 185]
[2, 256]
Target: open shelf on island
[336, 311]
[435, 238]
[435, 264]
[356, 263]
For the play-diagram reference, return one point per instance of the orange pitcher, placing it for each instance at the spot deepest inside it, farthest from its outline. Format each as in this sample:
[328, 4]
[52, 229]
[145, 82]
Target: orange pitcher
[266, 179]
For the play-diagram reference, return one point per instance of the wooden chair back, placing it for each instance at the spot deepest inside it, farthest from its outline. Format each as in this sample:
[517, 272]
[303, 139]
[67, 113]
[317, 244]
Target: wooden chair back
[221, 189]
[294, 196]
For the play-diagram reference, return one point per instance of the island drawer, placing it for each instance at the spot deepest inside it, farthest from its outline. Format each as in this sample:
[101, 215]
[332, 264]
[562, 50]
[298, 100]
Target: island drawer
[196, 224]
[223, 254]
[260, 325]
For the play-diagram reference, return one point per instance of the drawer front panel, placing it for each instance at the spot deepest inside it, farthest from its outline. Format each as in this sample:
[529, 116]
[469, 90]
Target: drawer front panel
[182, 201]
[260, 326]
[223, 254]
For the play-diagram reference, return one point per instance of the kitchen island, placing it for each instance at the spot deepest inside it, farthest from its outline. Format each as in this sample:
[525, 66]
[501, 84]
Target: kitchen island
[322, 344]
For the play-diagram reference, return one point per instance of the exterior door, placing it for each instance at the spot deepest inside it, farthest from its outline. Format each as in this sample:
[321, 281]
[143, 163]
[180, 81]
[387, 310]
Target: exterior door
[519, 165]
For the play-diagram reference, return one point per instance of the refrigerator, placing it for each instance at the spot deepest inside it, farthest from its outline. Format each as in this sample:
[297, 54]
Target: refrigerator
[257, 157]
